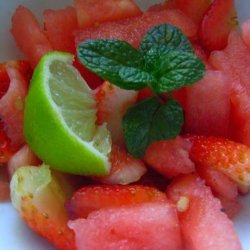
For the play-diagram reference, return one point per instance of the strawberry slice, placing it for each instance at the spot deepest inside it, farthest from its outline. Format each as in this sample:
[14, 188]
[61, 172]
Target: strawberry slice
[91, 198]
[228, 157]
[112, 104]
[125, 169]
[39, 198]
[217, 23]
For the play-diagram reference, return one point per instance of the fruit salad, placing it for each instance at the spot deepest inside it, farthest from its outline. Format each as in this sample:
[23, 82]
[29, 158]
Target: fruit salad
[128, 129]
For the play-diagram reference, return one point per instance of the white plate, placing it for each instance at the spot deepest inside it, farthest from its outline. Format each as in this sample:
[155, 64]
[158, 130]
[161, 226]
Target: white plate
[14, 234]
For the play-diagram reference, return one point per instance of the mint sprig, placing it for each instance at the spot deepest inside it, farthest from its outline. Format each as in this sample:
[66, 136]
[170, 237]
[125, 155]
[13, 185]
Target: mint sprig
[165, 34]
[150, 121]
[164, 61]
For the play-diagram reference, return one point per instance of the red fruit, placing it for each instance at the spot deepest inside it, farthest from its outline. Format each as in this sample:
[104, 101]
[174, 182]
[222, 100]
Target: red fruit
[208, 105]
[112, 104]
[4, 190]
[28, 35]
[228, 157]
[245, 27]
[203, 224]
[23, 157]
[4, 185]
[217, 23]
[133, 29]
[91, 198]
[4, 80]
[219, 183]
[202, 53]
[124, 168]
[240, 114]
[181, 96]
[146, 226]
[230, 207]
[170, 158]
[144, 94]
[59, 26]
[12, 106]
[93, 12]
[92, 79]
[6, 148]
[195, 9]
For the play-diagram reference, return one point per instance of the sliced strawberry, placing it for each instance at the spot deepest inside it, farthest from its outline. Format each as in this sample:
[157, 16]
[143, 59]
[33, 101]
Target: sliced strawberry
[92, 198]
[125, 169]
[112, 104]
[170, 158]
[203, 223]
[228, 157]
[217, 23]
[38, 197]
[23, 157]
[195, 9]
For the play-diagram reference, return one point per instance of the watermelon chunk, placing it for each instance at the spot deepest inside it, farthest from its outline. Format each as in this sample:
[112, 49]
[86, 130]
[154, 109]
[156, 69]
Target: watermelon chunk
[208, 105]
[29, 36]
[133, 29]
[203, 223]
[170, 157]
[148, 226]
[59, 26]
[93, 12]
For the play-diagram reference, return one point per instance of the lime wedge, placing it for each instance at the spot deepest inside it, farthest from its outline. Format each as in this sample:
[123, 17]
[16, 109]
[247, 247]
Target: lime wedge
[59, 119]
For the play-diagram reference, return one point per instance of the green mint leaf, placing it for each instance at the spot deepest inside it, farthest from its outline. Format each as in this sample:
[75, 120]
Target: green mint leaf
[150, 121]
[110, 59]
[165, 34]
[173, 69]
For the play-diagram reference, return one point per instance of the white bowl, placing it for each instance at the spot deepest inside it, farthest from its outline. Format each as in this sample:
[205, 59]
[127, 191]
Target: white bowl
[14, 234]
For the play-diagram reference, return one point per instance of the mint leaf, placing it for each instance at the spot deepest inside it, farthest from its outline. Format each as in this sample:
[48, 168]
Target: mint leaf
[173, 69]
[110, 59]
[168, 35]
[151, 121]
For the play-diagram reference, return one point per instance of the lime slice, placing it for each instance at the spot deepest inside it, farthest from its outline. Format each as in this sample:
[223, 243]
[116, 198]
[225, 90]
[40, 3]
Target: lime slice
[59, 119]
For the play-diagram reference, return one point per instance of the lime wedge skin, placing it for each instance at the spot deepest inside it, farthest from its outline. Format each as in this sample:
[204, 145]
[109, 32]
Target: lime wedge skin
[47, 135]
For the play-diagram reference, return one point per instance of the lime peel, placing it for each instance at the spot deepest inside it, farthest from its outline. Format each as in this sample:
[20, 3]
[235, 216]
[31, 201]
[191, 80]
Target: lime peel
[59, 125]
